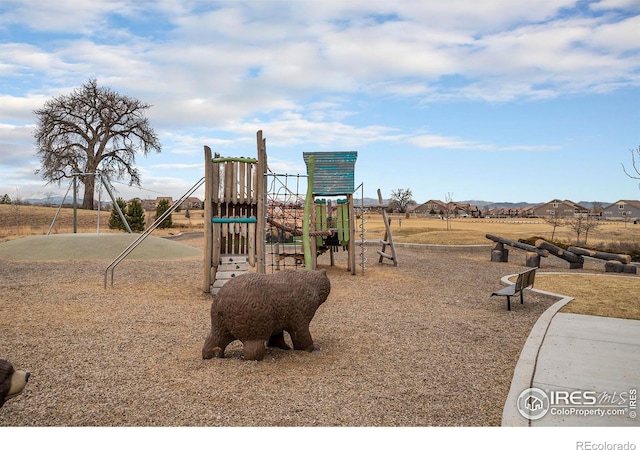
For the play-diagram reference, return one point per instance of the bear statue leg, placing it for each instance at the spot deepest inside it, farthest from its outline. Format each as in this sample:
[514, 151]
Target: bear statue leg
[277, 340]
[214, 345]
[254, 350]
[301, 339]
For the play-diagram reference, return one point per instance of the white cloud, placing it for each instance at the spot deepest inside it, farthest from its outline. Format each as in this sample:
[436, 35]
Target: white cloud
[436, 141]
[77, 16]
[615, 4]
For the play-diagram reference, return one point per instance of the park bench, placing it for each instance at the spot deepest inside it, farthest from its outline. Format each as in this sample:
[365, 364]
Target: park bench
[524, 281]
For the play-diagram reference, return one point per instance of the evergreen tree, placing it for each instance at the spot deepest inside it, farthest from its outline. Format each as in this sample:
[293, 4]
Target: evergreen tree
[115, 222]
[135, 215]
[161, 208]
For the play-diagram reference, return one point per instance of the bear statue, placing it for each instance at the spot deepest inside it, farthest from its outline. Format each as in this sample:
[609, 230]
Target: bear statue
[257, 308]
[12, 382]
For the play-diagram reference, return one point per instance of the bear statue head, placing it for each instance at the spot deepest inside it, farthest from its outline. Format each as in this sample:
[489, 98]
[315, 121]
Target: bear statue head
[12, 382]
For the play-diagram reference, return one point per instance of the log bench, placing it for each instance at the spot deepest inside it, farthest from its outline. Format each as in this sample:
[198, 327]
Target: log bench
[501, 254]
[525, 280]
[614, 262]
[575, 261]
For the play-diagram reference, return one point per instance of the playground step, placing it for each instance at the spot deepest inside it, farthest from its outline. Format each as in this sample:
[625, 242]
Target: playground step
[230, 267]
[386, 255]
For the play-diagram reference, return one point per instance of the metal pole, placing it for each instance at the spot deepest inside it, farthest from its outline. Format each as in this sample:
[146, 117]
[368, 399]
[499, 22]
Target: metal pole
[59, 207]
[99, 201]
[75, 206]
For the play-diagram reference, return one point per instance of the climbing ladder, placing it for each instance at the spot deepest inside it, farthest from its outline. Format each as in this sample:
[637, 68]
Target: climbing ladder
[388, 237]
[237, 252]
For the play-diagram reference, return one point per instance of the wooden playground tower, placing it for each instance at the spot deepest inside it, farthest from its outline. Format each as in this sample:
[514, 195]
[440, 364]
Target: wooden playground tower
[234, 215]
[237, 215]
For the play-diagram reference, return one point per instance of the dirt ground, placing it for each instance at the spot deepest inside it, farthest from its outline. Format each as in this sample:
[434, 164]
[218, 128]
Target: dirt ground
[422, 344]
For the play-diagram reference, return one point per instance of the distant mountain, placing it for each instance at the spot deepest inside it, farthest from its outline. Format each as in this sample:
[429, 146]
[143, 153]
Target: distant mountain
[368, 201]
[48, 200]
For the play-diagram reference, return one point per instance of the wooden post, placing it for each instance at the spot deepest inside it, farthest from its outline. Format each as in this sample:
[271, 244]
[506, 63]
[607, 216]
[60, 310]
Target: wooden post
[251, 244]
[306, 239]
[208, 226]
[352, 234]
[499, 253]
[260, 190]
[532, 259]
[228, 176]
[234, 182]
[243, 178]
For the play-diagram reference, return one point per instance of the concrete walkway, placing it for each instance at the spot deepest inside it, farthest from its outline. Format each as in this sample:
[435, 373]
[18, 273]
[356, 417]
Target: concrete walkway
[576, 370]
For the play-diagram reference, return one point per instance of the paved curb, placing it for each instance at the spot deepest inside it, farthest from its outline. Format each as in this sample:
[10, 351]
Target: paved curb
[526, 365]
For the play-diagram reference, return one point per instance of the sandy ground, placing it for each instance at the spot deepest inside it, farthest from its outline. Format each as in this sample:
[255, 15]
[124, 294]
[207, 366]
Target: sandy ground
[422, 344]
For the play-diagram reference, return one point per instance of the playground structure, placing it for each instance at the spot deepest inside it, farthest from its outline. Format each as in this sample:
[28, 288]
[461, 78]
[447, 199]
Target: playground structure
[254, 217]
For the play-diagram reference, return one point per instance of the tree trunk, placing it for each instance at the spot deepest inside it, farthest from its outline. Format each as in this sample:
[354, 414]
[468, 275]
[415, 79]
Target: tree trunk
[516, 244]
[624, 259]
[575, 261]
[89, 188]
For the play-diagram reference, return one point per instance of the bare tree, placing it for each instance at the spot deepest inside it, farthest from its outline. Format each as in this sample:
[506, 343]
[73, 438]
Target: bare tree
[555, 220]
[449, 211]
[401, 199]
[91, 129]
[635, 165]
[580, 224]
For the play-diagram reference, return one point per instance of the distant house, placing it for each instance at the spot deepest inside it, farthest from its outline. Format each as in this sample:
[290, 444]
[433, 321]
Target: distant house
[560, 209]
[464, 210]
[508, 212]
[192, 203]
[528, 211]
[189, 203]
[430, 208]
[149, 205]
[436, 208]
[622, 210]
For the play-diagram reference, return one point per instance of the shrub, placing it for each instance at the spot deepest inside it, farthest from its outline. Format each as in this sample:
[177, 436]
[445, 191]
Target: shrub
[161, 208]
[135, 215]
[115, 222]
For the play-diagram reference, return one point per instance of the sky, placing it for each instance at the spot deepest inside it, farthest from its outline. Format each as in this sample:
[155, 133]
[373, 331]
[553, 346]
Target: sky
[499, 100]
